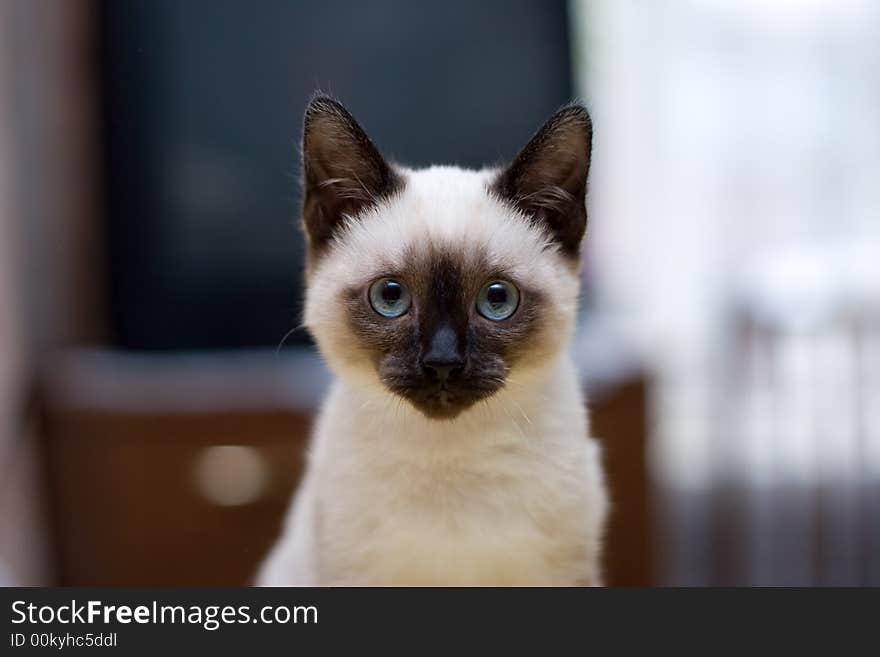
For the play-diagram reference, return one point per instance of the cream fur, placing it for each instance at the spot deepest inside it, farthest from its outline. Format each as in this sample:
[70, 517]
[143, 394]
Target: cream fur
[508, 493]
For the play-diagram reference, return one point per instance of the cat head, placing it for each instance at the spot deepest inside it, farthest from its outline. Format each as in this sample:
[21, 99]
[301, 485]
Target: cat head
[441, 285]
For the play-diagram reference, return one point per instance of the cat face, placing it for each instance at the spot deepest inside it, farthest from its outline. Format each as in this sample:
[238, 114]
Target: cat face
[440, 285]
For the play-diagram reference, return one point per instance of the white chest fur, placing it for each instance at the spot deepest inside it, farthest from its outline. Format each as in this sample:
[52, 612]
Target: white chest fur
[510, 493]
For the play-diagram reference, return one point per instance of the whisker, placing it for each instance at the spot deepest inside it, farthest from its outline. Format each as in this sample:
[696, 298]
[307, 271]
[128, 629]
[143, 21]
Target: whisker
[512, 420]
[532, 392]
[522, 411]
[287, 335]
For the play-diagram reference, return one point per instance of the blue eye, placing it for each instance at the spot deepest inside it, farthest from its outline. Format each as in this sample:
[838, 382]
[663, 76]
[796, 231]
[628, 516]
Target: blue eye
[498, 300]
[389, 298]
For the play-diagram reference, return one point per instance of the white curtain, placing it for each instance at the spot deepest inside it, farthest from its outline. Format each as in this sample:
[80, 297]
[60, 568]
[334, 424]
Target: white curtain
[735, 238]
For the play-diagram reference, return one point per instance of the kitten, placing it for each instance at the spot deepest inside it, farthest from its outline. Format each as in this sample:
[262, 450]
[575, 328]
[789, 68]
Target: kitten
[453, 447]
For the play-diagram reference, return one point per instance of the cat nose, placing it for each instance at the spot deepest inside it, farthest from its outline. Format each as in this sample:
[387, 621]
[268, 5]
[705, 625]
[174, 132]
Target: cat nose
[443, 370]
[444, 359]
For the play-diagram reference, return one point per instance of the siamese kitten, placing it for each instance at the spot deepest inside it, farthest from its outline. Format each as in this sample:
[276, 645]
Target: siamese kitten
[453, 447]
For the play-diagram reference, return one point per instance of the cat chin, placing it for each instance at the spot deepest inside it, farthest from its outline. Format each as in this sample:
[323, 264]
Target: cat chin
[442, 405]
[441, 412]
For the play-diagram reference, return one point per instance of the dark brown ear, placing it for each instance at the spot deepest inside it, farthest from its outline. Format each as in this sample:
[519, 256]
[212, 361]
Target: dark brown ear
[343, 171]
[548, 179]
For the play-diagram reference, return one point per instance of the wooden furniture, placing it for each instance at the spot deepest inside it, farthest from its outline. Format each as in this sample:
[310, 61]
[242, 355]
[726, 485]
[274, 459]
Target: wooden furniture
[177, 470]
[619, 421]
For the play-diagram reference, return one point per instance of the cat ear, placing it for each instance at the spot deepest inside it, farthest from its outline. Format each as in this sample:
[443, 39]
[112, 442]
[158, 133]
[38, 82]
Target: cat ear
[343, 171]
[548, 179]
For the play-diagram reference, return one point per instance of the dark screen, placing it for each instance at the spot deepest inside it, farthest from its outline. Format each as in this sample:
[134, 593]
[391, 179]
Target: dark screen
[202, 108]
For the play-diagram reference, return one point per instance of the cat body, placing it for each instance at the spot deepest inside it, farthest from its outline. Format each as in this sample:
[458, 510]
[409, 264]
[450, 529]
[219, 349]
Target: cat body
[453, 447]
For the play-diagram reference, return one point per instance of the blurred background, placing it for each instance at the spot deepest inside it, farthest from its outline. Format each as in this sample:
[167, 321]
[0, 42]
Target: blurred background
[155, 402]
